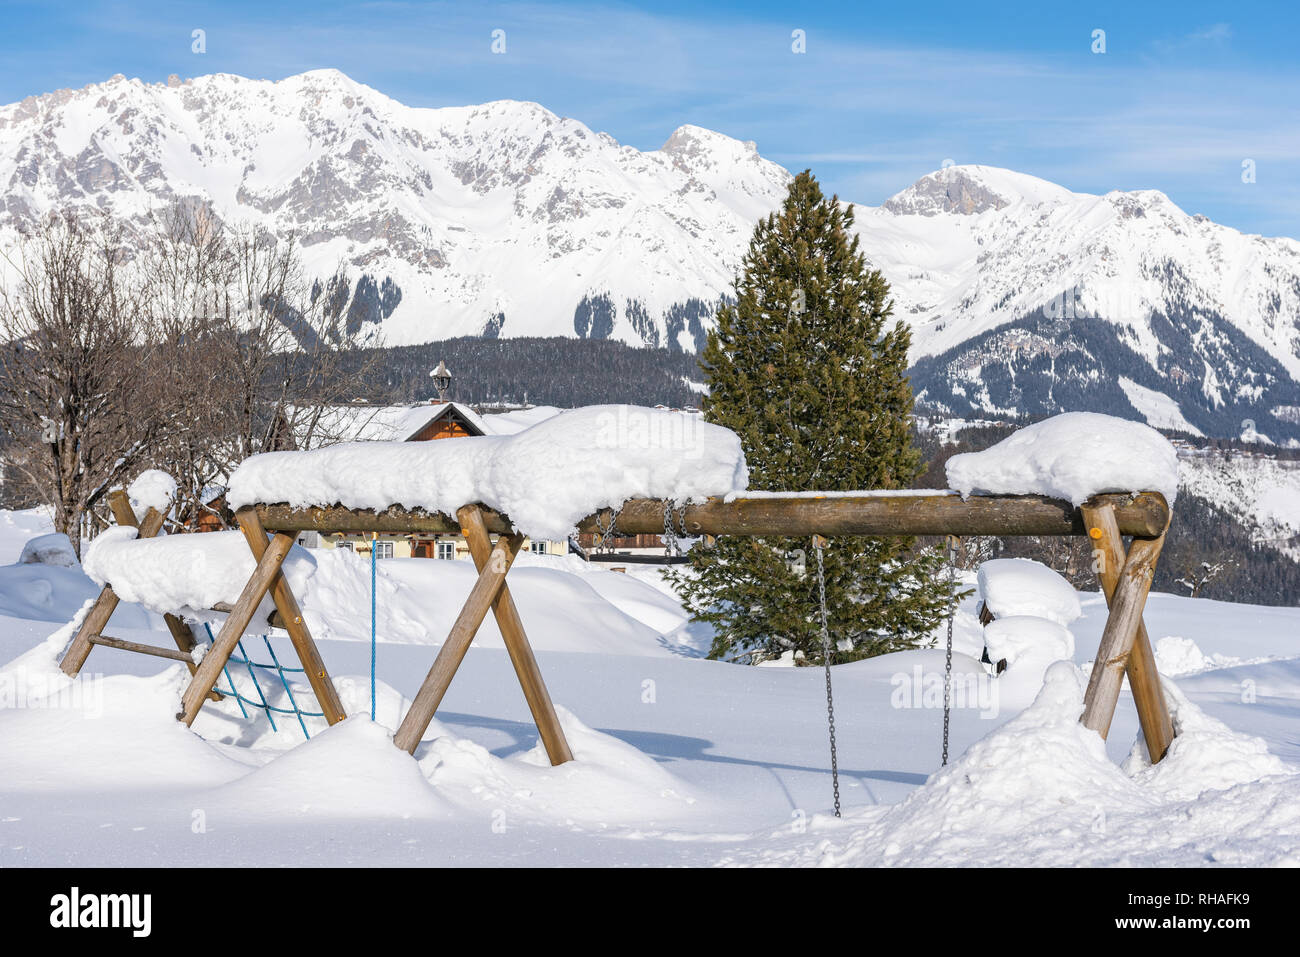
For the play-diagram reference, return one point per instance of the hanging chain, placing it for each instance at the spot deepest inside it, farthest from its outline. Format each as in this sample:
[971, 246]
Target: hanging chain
[605, 536]
[673, 537]
[818, 542]
[947, 666]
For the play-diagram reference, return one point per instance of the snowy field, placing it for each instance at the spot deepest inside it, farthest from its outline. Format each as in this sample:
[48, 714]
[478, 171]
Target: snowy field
[680, 760]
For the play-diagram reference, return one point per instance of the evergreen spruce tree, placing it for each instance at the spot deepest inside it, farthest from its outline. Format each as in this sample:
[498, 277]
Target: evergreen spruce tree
[806, 368]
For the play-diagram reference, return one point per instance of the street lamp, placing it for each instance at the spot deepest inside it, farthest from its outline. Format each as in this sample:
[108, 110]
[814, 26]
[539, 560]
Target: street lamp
[441, 380]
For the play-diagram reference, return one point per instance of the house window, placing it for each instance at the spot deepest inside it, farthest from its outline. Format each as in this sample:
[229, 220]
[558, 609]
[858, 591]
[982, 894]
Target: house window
[447, 551]
[383, 549]
[540, 548]
[346, 546]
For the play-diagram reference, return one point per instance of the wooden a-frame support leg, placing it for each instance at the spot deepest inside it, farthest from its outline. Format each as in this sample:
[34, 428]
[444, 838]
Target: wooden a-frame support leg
[232, 629]
[96, 619]
[511, 626]
[266, 577]
[1143, 678]
[491, 578]
[293, 623]
[1127, 598]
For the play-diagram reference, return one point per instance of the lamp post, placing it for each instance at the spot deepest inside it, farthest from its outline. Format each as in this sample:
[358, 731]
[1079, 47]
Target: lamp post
[441, 380]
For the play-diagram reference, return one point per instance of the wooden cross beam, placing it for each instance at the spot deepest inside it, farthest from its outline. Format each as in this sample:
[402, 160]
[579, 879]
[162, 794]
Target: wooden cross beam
[776, 514]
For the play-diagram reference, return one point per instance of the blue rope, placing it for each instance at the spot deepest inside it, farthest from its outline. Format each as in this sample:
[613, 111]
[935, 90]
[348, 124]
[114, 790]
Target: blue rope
[265, 706]
[270, 707]
[287, 690]
[243, 659]
[229, 680]
[373, 565]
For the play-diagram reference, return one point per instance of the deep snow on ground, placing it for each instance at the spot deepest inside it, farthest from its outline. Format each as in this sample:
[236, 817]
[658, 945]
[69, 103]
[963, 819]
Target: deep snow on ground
[680, 760]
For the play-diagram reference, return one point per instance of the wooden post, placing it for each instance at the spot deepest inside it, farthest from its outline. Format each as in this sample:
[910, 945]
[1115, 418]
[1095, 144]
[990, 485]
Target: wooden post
[119, 503]
[480, 599]
[183, 635]
[97, 618]
[139, 648]
[291, 618]
[1143, 678]
[94, 622]
[233, 628]
[516, 640]
[1122, 624]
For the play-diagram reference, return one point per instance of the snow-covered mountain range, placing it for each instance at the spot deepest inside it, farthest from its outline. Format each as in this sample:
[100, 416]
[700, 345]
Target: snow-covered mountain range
[505, 219]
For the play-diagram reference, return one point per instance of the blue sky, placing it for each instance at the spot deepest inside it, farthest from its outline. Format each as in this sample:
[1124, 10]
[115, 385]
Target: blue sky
[1183, 94]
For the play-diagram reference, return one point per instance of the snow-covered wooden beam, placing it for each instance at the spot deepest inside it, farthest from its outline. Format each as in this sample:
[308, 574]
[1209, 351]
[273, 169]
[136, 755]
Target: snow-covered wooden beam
[1144, 514]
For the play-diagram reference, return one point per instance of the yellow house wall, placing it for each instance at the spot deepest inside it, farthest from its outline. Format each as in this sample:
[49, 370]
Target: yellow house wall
[402, 545]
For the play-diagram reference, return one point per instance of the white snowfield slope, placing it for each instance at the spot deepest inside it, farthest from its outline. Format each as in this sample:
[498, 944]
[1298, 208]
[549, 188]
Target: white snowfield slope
[506, 209]
[1072, 456]
[1264, 493]
[546, 478]
[968, 248]
[475, 211]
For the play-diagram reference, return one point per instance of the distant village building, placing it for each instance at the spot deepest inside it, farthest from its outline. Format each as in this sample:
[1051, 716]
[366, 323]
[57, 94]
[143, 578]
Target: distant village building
[440, 419]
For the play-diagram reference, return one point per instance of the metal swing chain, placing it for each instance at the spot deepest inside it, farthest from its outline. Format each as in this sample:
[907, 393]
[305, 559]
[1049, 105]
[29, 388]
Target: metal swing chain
[606, 536]
[826, 659]
[947, 667]
[672, 538]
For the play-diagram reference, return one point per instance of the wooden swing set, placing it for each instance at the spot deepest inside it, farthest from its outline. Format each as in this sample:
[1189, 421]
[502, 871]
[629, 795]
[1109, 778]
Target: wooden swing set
[270, 529]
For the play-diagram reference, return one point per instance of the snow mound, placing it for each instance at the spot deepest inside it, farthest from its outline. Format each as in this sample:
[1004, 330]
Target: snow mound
[546, 478]
[349, 770]
[1020, 586]
[51, 549]
[1027, 639]
[1072, 456]
[1205, 755]
[152, 488]
[97, 733]
[608, 782]
[1176, 656]
[599, 612]
[1040, 791]
[184, 572]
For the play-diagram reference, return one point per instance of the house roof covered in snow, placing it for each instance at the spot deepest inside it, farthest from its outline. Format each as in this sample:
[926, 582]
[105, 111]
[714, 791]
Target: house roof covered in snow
[403, 423]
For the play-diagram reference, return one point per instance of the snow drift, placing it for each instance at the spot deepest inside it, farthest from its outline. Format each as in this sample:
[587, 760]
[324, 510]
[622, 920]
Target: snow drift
[545, 478]
[1071, 456]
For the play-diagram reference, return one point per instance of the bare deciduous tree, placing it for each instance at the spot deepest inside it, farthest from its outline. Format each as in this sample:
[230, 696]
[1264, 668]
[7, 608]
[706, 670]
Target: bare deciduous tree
[80, 399]
[189, 349]
[261, 354]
